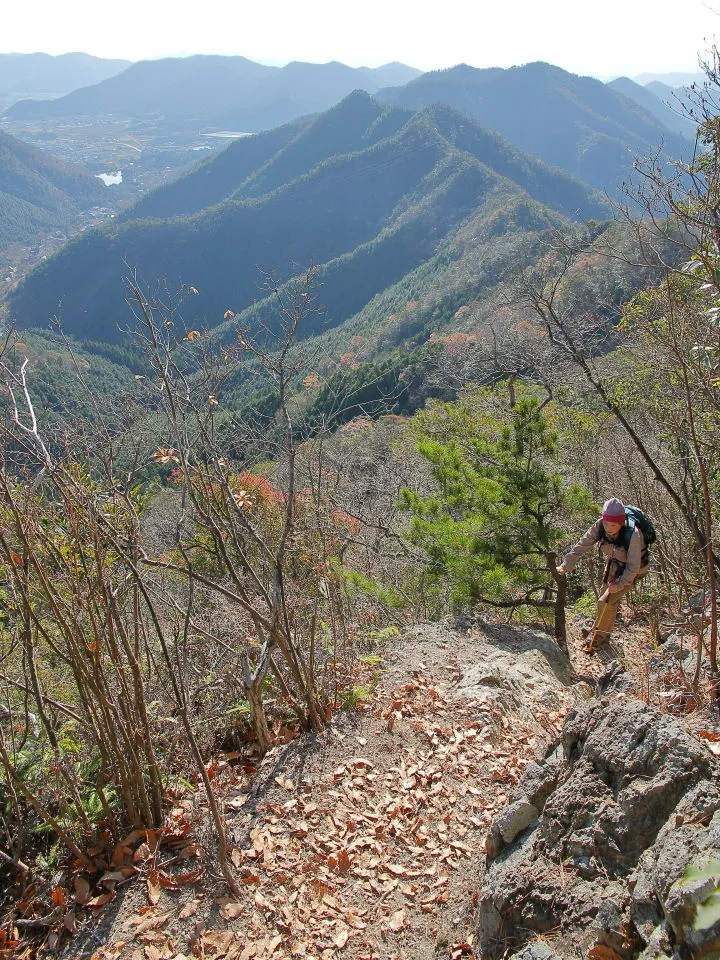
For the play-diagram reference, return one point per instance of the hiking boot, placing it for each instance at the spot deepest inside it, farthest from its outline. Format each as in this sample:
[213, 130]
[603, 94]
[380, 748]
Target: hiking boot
[593, 639]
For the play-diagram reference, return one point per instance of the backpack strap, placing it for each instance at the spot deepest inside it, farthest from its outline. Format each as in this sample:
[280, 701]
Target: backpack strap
[624, 542]
[627, 533]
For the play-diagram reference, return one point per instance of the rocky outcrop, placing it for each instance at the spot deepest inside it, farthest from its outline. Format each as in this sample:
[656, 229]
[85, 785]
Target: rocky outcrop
[517, 668]
[610, 844]
[513, 670]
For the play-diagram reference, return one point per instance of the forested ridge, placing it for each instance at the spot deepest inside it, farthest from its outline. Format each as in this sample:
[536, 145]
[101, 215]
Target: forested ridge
[38, 192]
[575, 123]
[401, 186]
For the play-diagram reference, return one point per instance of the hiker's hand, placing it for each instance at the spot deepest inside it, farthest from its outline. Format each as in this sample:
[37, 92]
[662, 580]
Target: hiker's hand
[613, 587]
[562, 570]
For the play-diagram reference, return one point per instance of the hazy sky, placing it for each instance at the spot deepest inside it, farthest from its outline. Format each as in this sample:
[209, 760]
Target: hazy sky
[599, 38]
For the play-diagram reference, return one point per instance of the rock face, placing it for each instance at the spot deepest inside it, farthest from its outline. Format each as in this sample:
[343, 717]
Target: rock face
[519, 668]
[511, 669]
[611, 842]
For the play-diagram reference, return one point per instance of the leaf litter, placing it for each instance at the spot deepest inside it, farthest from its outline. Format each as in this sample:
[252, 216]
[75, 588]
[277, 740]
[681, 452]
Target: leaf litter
[369, 848]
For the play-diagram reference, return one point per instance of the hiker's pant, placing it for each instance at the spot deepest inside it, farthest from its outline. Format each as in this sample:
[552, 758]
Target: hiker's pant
[607, 609]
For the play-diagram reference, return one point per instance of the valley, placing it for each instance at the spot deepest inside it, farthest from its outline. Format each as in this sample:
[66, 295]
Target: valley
[336, 402]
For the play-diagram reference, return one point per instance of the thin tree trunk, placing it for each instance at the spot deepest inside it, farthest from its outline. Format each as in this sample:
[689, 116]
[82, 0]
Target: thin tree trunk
[550, 317]
[560, 600]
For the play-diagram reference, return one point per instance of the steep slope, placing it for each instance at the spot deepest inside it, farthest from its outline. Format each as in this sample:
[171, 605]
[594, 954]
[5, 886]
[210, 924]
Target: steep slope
[661, 90]
[38, 192]
[372, 211]
[675, 97]
[575, 123]
[42, 76]
[253, 166]
[230, 92]
[216, 178]
[660, 106]
[300, 88]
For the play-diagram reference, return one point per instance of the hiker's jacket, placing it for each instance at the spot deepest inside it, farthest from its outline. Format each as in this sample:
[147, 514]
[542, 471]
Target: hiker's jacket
[630, 558]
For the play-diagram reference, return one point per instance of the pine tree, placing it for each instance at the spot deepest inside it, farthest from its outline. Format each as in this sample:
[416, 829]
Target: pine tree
[492, 528]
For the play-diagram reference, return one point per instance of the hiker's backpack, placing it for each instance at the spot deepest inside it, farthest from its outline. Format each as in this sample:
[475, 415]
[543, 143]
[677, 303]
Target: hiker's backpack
[634, 517]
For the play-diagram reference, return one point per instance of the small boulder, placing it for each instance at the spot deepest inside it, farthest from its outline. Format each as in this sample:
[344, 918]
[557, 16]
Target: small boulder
[513, 820]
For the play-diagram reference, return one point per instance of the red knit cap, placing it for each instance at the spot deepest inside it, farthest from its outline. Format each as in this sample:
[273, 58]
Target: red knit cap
[613, 511]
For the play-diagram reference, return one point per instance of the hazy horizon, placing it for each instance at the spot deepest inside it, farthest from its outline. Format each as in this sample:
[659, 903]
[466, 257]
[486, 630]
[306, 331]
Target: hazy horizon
[622, 40]
[678, 76]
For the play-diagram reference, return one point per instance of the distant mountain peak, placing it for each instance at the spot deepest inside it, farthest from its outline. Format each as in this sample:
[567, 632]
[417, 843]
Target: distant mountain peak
[575, 123]
[221, 91]
[368, 191]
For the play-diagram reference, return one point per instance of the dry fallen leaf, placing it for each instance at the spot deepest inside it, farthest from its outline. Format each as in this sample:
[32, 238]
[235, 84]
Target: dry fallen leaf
[96, 903]
[110, 951]
[151, 921]
[142, 853]
[191, 850]
[217, 943]
[59, 897]
[601, 952]
[341, 938]
[153, 886]
[189, 909]
[82, 890]
[231, 909]
[396, 923]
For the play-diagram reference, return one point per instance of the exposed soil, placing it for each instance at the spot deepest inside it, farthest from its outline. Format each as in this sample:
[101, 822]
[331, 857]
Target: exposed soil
[367, 842]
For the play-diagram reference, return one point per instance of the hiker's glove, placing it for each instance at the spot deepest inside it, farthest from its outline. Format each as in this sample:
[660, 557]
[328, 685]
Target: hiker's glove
[613, 587]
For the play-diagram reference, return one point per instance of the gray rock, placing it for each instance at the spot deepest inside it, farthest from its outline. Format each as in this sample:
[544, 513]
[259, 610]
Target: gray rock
[536, 951]
[629, 805]
[513, 820]
[676, 655]
[614, 679]
[519, 669]
[692, 830]
[658, 945]
[538, 781]
[613, 929]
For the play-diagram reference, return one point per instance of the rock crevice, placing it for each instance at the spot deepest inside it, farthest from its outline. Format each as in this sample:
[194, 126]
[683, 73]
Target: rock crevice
[611, 842]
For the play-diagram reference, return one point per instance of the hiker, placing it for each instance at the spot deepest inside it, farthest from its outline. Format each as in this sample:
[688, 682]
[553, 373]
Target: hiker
[623, 543]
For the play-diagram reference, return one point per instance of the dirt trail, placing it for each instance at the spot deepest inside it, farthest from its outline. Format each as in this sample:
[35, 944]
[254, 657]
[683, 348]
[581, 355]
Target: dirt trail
[366, 843]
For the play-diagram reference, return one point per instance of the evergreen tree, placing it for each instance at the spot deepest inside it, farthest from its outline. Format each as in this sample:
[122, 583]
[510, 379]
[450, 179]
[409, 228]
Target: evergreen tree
[492, 527]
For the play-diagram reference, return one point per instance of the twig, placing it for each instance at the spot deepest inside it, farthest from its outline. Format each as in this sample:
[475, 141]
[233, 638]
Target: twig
[60, 706]
[18, 864]
[47, 921]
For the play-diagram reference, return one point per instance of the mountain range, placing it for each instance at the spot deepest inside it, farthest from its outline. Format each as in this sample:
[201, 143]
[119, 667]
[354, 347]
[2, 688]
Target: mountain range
[589, 129]
[576, 123]
[670, 79]
[368, 192]
[227, 92]
[41, 76]
[661, 101]
[38, 192]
